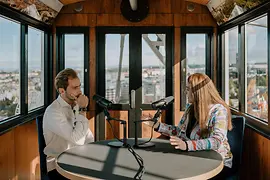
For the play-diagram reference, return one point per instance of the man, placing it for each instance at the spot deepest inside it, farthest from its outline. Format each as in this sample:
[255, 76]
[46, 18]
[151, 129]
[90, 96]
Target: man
[64, 123]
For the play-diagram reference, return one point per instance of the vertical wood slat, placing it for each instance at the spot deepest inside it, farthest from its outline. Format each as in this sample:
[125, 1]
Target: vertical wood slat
[146, 130]
[7, 156]
[91, 117]
[256, 156]
[92, 68]
[176, 69]
[117, 127]
[27, 154]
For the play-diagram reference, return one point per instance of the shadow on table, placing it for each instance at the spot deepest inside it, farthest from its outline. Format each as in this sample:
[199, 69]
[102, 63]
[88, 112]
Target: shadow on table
[106, 172]
[164, 146]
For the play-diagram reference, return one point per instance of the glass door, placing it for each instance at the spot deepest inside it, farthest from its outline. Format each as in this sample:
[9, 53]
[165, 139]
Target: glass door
[134, 69]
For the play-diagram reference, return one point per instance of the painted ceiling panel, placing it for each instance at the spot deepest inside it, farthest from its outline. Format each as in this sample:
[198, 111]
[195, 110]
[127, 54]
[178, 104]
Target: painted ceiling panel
[42, 10]
[224, 10]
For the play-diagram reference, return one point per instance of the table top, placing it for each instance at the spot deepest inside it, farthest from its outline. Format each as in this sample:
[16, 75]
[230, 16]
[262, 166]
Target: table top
[100, 161]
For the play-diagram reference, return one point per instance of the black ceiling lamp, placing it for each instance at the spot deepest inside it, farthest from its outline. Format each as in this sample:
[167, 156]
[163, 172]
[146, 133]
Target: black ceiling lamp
[134, 10]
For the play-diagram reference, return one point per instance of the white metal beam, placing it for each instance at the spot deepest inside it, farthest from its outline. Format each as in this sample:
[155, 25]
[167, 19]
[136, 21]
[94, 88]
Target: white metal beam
[133, 4]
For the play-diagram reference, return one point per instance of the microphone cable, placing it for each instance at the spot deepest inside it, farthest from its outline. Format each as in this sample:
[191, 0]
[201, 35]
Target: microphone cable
[152, 129]
[138, 158]
[155, 120]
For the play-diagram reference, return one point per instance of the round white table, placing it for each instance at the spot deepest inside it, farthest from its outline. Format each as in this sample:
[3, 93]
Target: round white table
[100, 161]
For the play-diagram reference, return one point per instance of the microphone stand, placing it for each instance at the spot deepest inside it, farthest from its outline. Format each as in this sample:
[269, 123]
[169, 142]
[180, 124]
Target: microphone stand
[147, 143]
[124, 143]
[120, 143]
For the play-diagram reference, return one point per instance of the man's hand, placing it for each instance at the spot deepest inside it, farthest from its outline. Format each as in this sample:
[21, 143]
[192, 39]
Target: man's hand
[82, 101]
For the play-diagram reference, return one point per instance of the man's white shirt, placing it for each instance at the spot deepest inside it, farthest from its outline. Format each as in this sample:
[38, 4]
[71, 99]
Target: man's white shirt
[63, 128]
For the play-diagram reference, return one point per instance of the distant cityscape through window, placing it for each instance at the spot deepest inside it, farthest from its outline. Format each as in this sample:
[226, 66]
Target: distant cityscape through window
[9, 68]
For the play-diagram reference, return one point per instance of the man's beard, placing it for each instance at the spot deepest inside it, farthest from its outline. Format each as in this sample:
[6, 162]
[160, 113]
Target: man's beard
[69, 97]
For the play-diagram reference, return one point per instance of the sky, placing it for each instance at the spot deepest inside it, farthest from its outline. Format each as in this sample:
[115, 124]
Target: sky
[256, 42]
[10, 47]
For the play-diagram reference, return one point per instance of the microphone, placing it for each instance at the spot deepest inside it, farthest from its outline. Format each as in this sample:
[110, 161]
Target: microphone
[105, 103]
[162, 103]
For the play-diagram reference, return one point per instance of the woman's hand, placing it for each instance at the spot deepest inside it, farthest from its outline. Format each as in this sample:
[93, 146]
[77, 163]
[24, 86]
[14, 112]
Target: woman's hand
[149, 123]
[146, 117]
[178, 143]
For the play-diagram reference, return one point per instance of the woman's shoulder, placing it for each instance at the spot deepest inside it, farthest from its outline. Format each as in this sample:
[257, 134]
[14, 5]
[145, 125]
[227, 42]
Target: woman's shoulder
[218, 108]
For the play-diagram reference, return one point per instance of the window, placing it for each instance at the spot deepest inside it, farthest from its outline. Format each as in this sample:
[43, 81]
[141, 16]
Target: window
[35, 68]
[195, 55]
[117, 68]
[256, 56]
[153, 67]
[231, 64]
[9, 68]
[25, 69]
[74, 54]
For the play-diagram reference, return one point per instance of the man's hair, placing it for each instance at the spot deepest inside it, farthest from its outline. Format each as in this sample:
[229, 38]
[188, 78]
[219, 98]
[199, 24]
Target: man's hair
[61, 79]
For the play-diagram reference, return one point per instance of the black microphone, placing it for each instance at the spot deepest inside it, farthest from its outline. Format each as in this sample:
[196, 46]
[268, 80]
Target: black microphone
[162, 103]
[105, 103]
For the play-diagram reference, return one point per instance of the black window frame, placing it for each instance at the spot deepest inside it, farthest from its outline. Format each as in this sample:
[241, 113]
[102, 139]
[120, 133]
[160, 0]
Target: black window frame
[26, 21]
[253, 122]
[209, 48]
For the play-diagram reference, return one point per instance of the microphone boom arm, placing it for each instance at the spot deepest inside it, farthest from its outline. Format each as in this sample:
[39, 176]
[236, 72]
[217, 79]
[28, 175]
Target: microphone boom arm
[107, 114]
[155, 120]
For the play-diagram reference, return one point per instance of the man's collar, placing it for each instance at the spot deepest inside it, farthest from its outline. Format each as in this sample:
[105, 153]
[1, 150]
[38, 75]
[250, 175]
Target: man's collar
[62, 102]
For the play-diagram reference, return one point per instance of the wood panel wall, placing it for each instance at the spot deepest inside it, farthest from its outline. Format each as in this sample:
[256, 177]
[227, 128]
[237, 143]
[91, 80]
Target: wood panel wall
[256, 156]
[19, 154]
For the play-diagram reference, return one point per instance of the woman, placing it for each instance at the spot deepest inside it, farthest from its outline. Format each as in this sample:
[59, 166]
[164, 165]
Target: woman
[205, 122]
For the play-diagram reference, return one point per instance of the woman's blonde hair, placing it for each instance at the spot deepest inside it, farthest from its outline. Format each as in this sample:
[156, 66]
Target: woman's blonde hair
[204, 94]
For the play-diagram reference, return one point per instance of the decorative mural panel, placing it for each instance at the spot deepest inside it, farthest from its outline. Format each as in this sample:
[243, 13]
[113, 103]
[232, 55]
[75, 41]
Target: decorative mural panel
[224, 10]
[33, 8]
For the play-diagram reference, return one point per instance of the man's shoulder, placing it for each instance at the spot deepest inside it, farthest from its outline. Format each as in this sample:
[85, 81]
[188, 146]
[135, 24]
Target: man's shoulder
[53, 107]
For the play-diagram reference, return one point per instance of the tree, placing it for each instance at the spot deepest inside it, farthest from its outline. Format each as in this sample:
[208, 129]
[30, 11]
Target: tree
[261, 81]
[233, 89]
[7, 107]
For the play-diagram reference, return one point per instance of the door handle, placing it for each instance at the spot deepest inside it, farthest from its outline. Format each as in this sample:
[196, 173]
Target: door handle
[133, 94]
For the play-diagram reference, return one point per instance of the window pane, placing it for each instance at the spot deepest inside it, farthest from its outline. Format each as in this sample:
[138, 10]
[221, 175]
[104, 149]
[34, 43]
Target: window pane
[256, 68]
[117, 68]
[35, 68]
[153, 67]
[196, 52]
[231, 68]
[9, 68]
[195, 61]
[74, 54]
